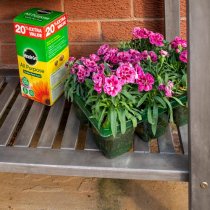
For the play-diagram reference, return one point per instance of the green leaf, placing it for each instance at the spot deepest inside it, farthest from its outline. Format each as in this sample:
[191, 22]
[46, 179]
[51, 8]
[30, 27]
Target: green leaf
[113, 119]
[107, 69]
[141, 101]
[91, 99]
[128, 115]
[155, 118]
[138, 115]
[121, 116]
[176, 99]
[128, 95]
[134, 121]
[170, 109]
[101, 117]
[149, 115]
[161, 101]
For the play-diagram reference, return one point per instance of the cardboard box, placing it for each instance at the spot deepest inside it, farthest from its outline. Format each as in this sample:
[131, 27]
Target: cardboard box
[42, 51]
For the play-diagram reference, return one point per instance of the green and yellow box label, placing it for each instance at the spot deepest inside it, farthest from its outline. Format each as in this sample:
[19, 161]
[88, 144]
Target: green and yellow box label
[42, 51]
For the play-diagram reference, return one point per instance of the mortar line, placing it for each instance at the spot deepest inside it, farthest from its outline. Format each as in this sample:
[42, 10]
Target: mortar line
[62, 5]
[132, 8]
[8, 43]
[183, 18]
[100, 30]
[91, 43]
[113, 20]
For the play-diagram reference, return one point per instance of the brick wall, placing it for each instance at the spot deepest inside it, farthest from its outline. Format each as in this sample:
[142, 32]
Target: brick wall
[91, 22]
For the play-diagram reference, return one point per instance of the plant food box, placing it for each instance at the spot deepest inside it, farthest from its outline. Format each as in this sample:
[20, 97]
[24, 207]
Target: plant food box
[42, 51]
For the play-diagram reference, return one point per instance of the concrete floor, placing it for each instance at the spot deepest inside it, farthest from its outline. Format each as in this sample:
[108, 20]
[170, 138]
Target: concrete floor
[38, 192]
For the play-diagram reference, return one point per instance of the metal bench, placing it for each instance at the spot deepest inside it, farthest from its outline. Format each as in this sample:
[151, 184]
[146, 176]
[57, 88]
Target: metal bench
[50, 140]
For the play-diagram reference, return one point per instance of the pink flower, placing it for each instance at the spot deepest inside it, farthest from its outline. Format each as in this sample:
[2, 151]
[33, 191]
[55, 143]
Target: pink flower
[98, 80]
[178, 42]
[111, 56]
[94, 57]
[153, 56]
[90, 64]
[164, 53]
[112, 86]
[103, 49]
[101, 68]
[145, 82]
[126, 73]
[183, 56]
[167, 88]
[72, 59]
[82, 73]
[144, 55]
[139, 71]
[140, 33]
[123, 56]
[135, 56]
[156, 39]
[161, 87]
[168, 92]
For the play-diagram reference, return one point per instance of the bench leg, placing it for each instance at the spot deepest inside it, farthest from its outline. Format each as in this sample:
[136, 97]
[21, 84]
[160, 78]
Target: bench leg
[199, 82]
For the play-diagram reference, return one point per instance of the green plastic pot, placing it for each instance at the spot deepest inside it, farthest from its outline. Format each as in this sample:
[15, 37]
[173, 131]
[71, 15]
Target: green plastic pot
[144, 129]
[114, 146]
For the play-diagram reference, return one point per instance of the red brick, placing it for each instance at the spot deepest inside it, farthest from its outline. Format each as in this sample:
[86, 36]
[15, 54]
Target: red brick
[122, 30]
[9, 9]
[84, 31]
[8, 54]
[183, 26]
[183, 8]
[149, 8]
[82, 50]
[80, 9]
[6, 33]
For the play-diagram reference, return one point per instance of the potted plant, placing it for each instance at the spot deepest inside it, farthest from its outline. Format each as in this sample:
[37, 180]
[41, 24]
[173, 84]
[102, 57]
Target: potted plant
[167, 63]
[105, 87]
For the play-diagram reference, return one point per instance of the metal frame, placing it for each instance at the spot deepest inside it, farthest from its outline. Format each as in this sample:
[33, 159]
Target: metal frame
[140, 164]
[199, 82]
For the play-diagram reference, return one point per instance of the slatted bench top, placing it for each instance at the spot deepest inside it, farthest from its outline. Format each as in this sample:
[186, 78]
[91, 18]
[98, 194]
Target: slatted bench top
[50, 140]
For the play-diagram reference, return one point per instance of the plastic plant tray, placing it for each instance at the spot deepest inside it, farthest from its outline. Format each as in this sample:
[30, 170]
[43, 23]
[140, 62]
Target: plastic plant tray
[106, 132]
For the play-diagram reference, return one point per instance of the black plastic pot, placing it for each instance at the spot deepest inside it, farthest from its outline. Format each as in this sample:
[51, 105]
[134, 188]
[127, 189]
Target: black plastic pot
[181, 115]
[144, 129]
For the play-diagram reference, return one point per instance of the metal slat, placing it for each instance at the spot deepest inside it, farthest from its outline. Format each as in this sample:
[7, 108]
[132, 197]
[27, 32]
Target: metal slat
[90, 143]
[165, 142]
[2, 80]
[52, 124]
[7, 94]
[183, 133]
[71, 132]
[30, 125]
[12, 120]
[140, 146]
[172, 19]
[94, 164]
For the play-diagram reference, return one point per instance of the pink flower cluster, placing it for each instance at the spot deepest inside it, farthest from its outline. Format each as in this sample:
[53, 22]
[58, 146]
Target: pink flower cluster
[112, 85]
[178, 42]
[145, 55]
[145, 82]
[113, 56]
[156, 39]
[180, 45]
[183, 56]
[167, 88]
